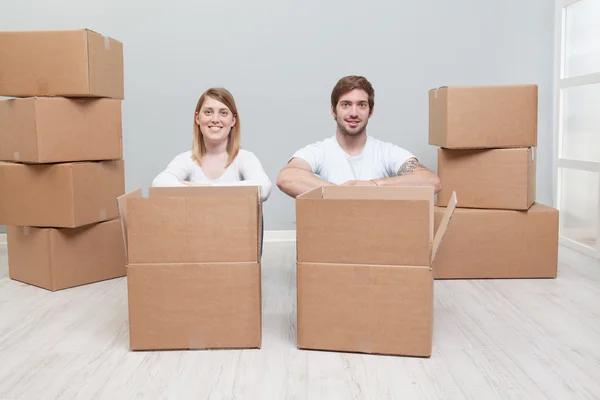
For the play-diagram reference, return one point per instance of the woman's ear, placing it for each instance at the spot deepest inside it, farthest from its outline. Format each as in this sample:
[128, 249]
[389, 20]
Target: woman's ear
[234, 121]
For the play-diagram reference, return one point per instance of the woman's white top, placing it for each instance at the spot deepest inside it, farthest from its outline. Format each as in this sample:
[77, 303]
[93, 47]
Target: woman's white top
[245, 170]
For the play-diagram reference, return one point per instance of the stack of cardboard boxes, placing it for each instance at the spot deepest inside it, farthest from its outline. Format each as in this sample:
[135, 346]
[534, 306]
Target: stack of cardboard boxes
[61, 166]
[487, 137]
[193, 267]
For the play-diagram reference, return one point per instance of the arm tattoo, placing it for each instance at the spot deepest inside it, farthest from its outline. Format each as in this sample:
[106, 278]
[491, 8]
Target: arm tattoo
[409, 166]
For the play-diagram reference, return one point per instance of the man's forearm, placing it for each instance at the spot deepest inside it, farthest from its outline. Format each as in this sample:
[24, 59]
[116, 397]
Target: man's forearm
[415, 178]
[295, 181]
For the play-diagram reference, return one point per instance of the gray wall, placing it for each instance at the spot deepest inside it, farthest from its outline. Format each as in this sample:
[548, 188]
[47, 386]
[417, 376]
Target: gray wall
[281, 59]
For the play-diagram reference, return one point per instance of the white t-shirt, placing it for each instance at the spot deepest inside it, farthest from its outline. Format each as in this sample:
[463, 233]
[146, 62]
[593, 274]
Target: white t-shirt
[245, 170]
[330, 162]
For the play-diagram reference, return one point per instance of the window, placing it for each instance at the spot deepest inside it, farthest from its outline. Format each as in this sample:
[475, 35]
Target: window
[577, 129]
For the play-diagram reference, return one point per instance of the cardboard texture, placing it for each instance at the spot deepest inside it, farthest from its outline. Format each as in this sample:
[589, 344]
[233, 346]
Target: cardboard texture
[66, 195]
[491, 178]
[197, 251]
[364, 278]
[483, 244]
[194, 305]
[365, 308]
[69, 63]
[483, 116]
[52, 130]
[56, 259]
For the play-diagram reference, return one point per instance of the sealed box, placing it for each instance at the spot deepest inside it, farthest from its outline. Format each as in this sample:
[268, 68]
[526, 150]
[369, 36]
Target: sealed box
[484, 244]
[56, 129]
[65, 63]
[66, 195]
[60, 258]
[483, 116]
[490, 178]
[364, 277]
[197, 251]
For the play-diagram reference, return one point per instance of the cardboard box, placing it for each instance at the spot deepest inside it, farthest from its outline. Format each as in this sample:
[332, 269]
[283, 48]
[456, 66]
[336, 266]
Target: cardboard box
[483, 116]
[364, 278]
[71, 63]
[197, 251]
[65, 195]
[56, 129]
[498, 244]
[56, 259]
[492, 178]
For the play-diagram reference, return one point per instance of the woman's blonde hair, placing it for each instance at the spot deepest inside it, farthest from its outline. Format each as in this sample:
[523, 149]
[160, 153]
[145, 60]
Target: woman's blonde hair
[233, 142]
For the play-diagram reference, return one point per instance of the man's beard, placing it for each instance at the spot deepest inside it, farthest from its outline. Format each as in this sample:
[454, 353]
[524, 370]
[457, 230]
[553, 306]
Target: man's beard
[346, 132]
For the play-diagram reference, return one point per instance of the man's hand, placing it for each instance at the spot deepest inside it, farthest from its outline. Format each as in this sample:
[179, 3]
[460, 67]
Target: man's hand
[359, 183]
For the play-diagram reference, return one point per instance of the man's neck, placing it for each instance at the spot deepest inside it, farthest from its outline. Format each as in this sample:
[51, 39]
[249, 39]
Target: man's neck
[352, 145]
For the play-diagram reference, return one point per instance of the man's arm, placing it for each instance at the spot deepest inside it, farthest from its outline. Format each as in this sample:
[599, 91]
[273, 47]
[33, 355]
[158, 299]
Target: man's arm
[297, 177]
[412, 173]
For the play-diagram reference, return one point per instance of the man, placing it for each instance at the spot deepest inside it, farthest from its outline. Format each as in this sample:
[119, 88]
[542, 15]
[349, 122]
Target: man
[351, 157]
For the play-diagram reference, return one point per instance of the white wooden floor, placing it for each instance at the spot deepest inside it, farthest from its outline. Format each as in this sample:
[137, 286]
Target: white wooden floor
[505, 339]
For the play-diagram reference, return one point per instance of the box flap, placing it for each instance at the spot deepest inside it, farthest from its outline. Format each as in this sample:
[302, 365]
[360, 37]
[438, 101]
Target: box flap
[316, 193]
[435, 91]
[443, 225]
[122, 203]
[379, 193]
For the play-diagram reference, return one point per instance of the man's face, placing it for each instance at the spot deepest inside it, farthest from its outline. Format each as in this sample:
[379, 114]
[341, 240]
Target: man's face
[352, 112]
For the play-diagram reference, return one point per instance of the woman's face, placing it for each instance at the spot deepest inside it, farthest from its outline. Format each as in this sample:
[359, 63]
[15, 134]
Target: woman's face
[215, 120]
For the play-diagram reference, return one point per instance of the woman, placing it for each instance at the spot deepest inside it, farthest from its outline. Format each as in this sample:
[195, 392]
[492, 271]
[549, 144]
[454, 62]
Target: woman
[216, 157]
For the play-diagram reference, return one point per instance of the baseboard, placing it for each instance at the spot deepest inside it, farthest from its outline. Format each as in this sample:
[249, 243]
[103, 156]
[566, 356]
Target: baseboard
[280, 236]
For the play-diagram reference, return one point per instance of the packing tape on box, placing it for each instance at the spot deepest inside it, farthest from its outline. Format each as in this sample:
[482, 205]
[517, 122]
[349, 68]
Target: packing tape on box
[106, 43]
[196, 341]
[42, 86]
[103, 214]
[16, 156]
[26, 231]
[364, 344]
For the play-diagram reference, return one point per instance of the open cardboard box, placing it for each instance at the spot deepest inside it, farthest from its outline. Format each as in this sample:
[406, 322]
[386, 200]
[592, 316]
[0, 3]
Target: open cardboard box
[364, 276]
[193, 267]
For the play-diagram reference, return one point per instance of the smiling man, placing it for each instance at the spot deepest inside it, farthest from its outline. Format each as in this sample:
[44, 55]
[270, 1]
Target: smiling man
[351, 157]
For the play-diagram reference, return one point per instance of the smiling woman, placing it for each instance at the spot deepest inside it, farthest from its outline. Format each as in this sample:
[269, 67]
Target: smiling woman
[216, 157]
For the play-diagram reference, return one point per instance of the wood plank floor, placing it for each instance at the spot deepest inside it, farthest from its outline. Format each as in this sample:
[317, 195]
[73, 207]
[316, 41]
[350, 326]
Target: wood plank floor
[493, 339]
